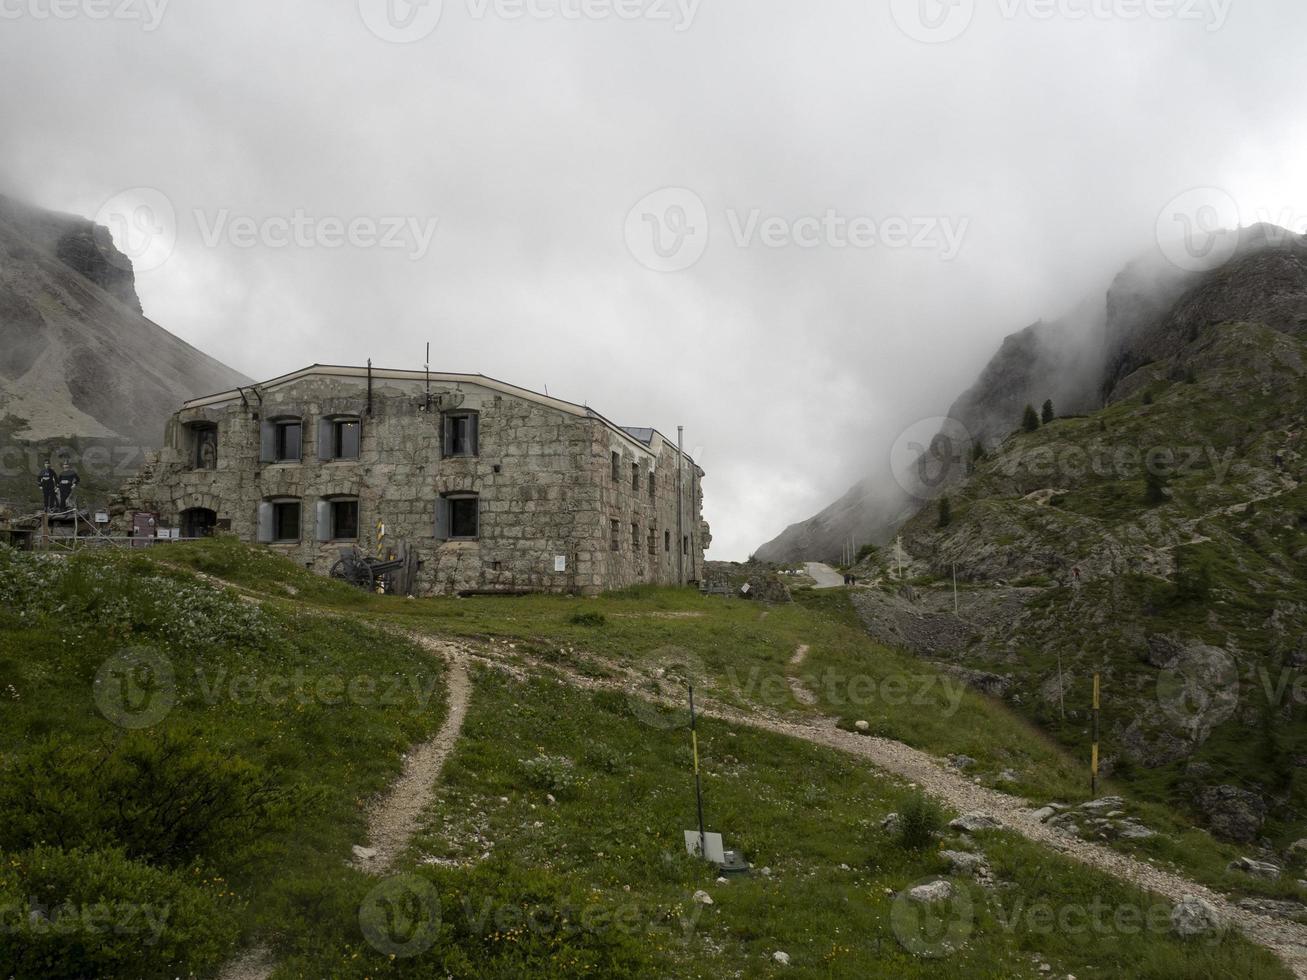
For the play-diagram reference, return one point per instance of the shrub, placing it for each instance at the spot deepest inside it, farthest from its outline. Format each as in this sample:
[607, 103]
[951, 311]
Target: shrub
[1030, 419]
[1155, 488]
[866, 551]
[97, 913]
[591, 619]
[945, 512]
[161, 799]
[919, 823]
[554, 773]
[1047, 414]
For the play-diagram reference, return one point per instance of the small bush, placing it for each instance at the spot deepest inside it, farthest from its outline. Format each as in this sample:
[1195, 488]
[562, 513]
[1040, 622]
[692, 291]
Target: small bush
[591, 619]
[554, 773]
[161, 799]
[99, 914]
[919, 823]
[603, 759]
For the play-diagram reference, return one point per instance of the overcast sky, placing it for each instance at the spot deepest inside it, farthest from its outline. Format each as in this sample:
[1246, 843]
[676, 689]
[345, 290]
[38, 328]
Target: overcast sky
[1029, 147]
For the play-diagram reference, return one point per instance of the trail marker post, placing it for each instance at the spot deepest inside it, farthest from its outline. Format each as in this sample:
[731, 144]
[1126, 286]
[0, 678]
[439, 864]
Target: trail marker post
[1093, 757]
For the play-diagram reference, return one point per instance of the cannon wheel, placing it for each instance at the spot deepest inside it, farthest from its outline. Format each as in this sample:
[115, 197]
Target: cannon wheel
[358, 573]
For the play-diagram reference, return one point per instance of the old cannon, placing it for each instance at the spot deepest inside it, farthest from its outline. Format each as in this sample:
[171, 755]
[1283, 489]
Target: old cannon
[363, 570]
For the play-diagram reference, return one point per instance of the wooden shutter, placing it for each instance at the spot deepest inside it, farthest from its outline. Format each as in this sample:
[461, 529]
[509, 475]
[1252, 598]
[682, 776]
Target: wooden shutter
[267, 442]
[326, 432]
[473, 434]
[442, 519]
[324, 520]
[265, 530]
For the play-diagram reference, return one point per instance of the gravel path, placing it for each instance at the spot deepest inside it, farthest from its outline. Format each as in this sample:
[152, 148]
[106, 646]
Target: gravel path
[1286, 939]
[394, 818]
[825, 576]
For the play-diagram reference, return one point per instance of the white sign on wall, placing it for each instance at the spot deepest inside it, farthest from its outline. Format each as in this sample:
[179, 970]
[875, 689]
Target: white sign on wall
[560, 563]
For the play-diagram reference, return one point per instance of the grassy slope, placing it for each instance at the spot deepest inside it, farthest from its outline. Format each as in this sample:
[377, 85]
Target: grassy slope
[1235, 396]
[802, 810]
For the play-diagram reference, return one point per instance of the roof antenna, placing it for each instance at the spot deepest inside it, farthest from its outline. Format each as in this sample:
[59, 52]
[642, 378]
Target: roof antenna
[428, 370]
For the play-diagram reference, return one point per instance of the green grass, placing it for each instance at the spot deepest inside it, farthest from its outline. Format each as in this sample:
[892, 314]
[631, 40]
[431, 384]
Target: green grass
[809, 815]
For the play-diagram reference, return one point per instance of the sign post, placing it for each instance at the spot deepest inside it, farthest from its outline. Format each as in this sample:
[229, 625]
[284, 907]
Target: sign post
[1093, 759]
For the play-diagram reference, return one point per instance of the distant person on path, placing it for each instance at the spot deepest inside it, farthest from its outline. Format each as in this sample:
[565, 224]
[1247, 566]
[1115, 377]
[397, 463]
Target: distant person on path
[48, 481]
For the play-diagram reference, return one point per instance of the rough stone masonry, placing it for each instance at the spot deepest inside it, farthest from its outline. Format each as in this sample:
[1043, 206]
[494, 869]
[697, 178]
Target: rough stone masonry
[494, 488]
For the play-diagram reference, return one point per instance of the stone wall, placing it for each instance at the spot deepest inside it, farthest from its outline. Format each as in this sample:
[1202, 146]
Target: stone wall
[543, 476]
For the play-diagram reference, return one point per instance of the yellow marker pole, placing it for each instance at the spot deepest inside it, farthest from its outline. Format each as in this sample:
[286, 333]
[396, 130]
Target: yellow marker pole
[1093, 760]
[698, 788]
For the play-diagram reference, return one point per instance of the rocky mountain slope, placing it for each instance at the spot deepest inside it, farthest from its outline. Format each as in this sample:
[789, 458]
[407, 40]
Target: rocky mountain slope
[1161, 542]
[78, 360]
[1081, 361]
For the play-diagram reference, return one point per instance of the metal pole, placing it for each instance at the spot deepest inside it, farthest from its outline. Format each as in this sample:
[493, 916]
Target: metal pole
[680, 502]
[698, 789]
[1093, 762]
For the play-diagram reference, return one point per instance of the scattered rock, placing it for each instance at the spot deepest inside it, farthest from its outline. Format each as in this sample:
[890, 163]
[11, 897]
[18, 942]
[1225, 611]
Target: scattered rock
[702, 897]
[971, 822]
[765, 872]
[891, 824]
[1294, 911]
[862, 726]
[961, 761]
[1008, 776]
[549, 798]
[782, 958]
[1044, 812]
[364, 853]
[1259, 869]
[1131, 830]
[1106, 803]
[964, 861]
[1193, 916]
[936, 891]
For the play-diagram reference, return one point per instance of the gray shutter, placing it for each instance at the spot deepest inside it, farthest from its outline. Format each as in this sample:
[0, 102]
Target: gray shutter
[442, 519]
[325, 433]
[265, 522]
[267, 442]
[324, 520]
[446, 434]
[474, 434]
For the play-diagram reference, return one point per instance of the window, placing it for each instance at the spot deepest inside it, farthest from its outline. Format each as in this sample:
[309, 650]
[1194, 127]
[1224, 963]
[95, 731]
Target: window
[286, 520]
[617, 467]
[205, 442]
[289, 438]
[667, 542]
[635, 537]
[635, 477]
[342, 438]
[461, 433]
[344, 520]
[685, 545]
[458, 517]
[653, 487]
[653, 541]
[615, 544]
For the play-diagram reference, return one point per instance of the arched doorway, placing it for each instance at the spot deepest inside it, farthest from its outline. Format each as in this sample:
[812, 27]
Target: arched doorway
[198, 522]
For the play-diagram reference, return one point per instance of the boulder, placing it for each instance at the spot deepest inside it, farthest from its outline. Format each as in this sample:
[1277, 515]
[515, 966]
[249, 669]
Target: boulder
[971, 822]
[936, 891]
[703, 898]
[781, 958]
[1232, 813]
[1194, 916]
[891, 824]
[963, 861]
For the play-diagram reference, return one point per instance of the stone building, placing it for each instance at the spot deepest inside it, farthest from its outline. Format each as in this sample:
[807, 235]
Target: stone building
[492, 487]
